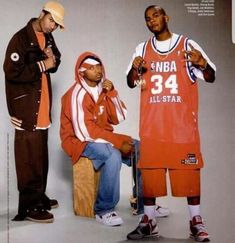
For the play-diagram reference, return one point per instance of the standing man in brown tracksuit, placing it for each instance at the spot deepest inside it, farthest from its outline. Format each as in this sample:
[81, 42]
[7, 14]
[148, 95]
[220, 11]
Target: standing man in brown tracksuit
[31, 56]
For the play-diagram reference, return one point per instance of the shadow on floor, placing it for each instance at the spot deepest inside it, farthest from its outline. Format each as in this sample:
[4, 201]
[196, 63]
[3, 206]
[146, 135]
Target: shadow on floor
[160, 239]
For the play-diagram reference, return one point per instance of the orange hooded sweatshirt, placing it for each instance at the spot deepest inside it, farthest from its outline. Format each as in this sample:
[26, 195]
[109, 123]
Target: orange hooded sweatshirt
[85, 120]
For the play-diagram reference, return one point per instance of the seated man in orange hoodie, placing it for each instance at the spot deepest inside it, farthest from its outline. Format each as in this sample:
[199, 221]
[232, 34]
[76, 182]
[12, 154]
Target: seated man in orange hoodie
[89, 109]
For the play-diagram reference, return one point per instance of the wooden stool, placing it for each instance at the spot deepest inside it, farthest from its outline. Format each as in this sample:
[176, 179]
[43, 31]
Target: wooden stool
[85, 186]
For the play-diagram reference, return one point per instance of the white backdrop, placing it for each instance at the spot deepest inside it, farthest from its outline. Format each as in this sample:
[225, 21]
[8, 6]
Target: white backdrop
[112, 29]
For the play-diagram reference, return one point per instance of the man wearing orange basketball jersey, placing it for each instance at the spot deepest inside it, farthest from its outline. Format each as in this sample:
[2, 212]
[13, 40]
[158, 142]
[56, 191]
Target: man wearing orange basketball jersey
[166, 67]
[31, 56]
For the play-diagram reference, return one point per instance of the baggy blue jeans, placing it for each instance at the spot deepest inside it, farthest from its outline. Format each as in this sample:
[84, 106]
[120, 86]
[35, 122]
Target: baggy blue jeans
[108, 160]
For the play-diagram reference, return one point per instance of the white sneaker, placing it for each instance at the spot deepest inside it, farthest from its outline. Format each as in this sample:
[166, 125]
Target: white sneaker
[162, 212]
[109, 219]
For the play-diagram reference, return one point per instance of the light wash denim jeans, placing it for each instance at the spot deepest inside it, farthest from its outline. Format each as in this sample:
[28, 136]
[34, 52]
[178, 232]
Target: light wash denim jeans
[108, 160]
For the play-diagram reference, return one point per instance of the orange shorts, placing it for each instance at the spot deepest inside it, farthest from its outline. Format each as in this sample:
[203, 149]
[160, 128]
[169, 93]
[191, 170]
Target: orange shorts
[184, 183]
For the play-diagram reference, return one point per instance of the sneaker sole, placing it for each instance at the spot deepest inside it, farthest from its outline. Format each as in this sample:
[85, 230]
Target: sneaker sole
[40, 220]
[100, 221]
[206, 239]
[162, 215]
[144, 236]
[55, 206]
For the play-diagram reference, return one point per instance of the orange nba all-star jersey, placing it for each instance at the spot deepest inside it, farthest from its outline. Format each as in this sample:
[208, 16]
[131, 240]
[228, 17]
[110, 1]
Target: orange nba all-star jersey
[169, 110]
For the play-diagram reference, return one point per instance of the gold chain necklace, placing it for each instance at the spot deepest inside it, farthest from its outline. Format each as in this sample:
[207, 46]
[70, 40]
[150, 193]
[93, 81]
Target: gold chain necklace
[165, 57]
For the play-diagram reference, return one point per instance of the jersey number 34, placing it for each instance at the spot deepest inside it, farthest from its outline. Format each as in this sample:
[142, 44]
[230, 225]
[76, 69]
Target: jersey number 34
[160, 84]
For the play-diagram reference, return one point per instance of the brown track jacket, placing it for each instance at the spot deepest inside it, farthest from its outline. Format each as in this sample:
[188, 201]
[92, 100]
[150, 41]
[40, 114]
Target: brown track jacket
[23, 75]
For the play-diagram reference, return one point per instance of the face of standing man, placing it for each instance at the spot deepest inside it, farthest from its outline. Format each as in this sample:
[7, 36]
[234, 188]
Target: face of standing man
[47, 23]
[156, 20]
[51, 16]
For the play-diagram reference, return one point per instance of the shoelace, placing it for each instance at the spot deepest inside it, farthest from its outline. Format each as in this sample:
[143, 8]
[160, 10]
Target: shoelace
[149, 222]
[201, 228]
[110, 215]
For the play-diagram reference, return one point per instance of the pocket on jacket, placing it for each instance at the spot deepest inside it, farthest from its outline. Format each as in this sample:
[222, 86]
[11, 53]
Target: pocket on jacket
[20, 97]
[20, 104]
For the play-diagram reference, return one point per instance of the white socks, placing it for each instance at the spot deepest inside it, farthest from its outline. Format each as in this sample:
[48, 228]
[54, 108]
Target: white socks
[150, 211]
[194, 210]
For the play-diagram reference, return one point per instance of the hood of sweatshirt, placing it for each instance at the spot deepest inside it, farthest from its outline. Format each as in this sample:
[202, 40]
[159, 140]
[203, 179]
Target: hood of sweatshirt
[79, 79]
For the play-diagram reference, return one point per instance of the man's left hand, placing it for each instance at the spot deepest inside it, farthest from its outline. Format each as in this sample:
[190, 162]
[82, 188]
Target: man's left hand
[195, 57]
[48, 51]
[107, 85]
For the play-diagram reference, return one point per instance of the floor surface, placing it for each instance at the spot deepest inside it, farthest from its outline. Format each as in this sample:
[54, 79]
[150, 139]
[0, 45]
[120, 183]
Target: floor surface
[68, 228]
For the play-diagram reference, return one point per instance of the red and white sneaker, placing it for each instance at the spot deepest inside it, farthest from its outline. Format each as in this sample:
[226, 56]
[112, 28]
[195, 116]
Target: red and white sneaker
[146, 228]
[198, 230]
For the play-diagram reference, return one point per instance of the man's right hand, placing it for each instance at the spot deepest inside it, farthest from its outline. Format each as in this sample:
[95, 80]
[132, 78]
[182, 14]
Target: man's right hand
[138, 63]
[138, 68]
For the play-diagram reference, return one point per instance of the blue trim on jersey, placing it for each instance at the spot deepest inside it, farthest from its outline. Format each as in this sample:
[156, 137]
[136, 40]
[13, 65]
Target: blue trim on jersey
[144, 49]
[190, 72]
[153, 41]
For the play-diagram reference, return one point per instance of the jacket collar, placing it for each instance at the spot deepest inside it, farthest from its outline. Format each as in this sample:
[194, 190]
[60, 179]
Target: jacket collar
[32, 36]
